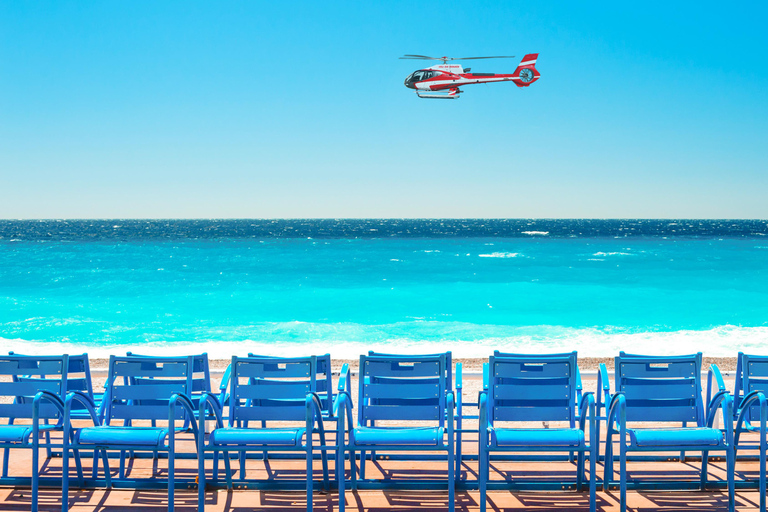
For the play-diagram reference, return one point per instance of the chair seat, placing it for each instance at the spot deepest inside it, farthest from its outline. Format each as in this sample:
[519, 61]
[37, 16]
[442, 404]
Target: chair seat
[675, 437]
[257, 436]
[537, 437]
[122, 436]
[20, 433]
[385, 436]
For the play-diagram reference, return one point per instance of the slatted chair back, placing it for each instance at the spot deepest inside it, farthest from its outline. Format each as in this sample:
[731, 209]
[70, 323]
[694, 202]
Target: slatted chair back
[403, 388]
[751, 375]
[78, 377]
[323, 381]
[529, 388]
[448, 363]
[22, 377]
[270, 389]
[661, 388]
[139, 388]
[201, 376]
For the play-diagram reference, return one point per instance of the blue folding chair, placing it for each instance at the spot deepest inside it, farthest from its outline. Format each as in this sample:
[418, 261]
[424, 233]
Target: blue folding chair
[139, 389]
[459, 415]
[579, 387]
[404, 389]
[35, 394]
[751, 409]
[665, 390]
[525, 389]
[266, 389]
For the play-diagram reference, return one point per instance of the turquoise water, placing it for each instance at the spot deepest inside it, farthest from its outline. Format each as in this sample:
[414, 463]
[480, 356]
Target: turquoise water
[597, 295]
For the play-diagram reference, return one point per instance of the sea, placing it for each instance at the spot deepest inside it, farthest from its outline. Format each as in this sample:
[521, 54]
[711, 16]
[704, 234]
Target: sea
[346, 286]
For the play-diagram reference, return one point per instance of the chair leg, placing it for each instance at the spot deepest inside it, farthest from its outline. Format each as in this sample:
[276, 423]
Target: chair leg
[608, 463]
[363, 456]
[6, 456]
[623, 474]
[704, 462]
[171, 467]
[731, 466]
[579, 471]
[35, 470]
[201, 480]
[483, 470]
[593, 455]
[309, 471]
[65, 471]
[763, 449]
[451, 477]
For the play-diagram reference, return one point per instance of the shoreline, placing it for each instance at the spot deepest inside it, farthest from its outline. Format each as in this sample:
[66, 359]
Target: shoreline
[586, 364]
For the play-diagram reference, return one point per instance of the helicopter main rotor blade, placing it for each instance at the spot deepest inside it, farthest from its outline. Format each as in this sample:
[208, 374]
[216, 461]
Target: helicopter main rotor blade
[423, 57]
[475, 58]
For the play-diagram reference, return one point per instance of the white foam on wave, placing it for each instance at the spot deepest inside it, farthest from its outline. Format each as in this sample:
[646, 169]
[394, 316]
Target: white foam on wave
[721, 341]
[500, 255]
[616, 253]
[540, 233]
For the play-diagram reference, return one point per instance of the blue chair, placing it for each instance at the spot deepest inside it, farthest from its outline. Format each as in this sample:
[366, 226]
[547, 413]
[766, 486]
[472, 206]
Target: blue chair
[751, 410]
[35, 393]
[459, 415]
[404, 389]
[266, 389]
[138, 389]
[666, 390]
[579, 386]
[525, 389]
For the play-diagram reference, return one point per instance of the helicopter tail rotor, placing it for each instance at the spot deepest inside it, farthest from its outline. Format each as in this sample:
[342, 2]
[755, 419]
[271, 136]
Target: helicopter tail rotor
[526, 72]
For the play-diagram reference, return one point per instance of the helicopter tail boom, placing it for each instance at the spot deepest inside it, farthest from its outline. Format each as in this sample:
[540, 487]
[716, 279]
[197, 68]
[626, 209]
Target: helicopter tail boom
[526, 72]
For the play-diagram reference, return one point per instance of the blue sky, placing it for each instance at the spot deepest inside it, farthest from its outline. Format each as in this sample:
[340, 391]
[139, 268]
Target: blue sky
[298, 109]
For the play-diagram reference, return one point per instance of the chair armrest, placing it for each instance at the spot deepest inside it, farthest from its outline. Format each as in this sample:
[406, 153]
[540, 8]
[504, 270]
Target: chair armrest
[209, 400]
[617, 411]
[587, 400]
[746, 403]
[48, 396]
[90, 406]
[714, 375]
[579, 386]
[189, 408]
[482, 402]
[450, 405]
[486, 376]
[603, 388]
[344, 379]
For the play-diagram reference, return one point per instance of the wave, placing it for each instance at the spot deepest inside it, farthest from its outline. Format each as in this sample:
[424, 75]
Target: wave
[348, 341]
[500, 255]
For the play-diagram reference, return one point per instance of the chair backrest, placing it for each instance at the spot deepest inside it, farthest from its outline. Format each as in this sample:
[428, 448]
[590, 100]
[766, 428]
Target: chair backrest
[751, 375]
[22, 377]
[201, 375]
[270, 389]
[448, 363]
[139, 388]
[323, 380]
[78, 374]
[661, 388]
[404, 388]
[531, 388]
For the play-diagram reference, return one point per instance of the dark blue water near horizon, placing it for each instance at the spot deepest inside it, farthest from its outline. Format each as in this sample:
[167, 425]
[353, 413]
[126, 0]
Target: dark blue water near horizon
[159, 229]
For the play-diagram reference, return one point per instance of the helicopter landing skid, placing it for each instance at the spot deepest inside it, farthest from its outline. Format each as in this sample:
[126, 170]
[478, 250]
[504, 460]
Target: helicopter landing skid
[452, 95]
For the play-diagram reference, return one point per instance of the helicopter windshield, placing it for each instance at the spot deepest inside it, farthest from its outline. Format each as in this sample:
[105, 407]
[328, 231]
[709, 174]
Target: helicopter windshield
[418, 76]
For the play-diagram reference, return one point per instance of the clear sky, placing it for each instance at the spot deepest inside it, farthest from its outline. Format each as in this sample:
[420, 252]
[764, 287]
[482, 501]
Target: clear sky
[297, 109]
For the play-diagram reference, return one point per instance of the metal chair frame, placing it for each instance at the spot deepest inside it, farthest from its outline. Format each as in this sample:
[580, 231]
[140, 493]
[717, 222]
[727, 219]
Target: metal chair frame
[665, 389]
[529, 388]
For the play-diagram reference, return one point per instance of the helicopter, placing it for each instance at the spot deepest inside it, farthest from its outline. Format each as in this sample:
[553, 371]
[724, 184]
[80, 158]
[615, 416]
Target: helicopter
[449, 77]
